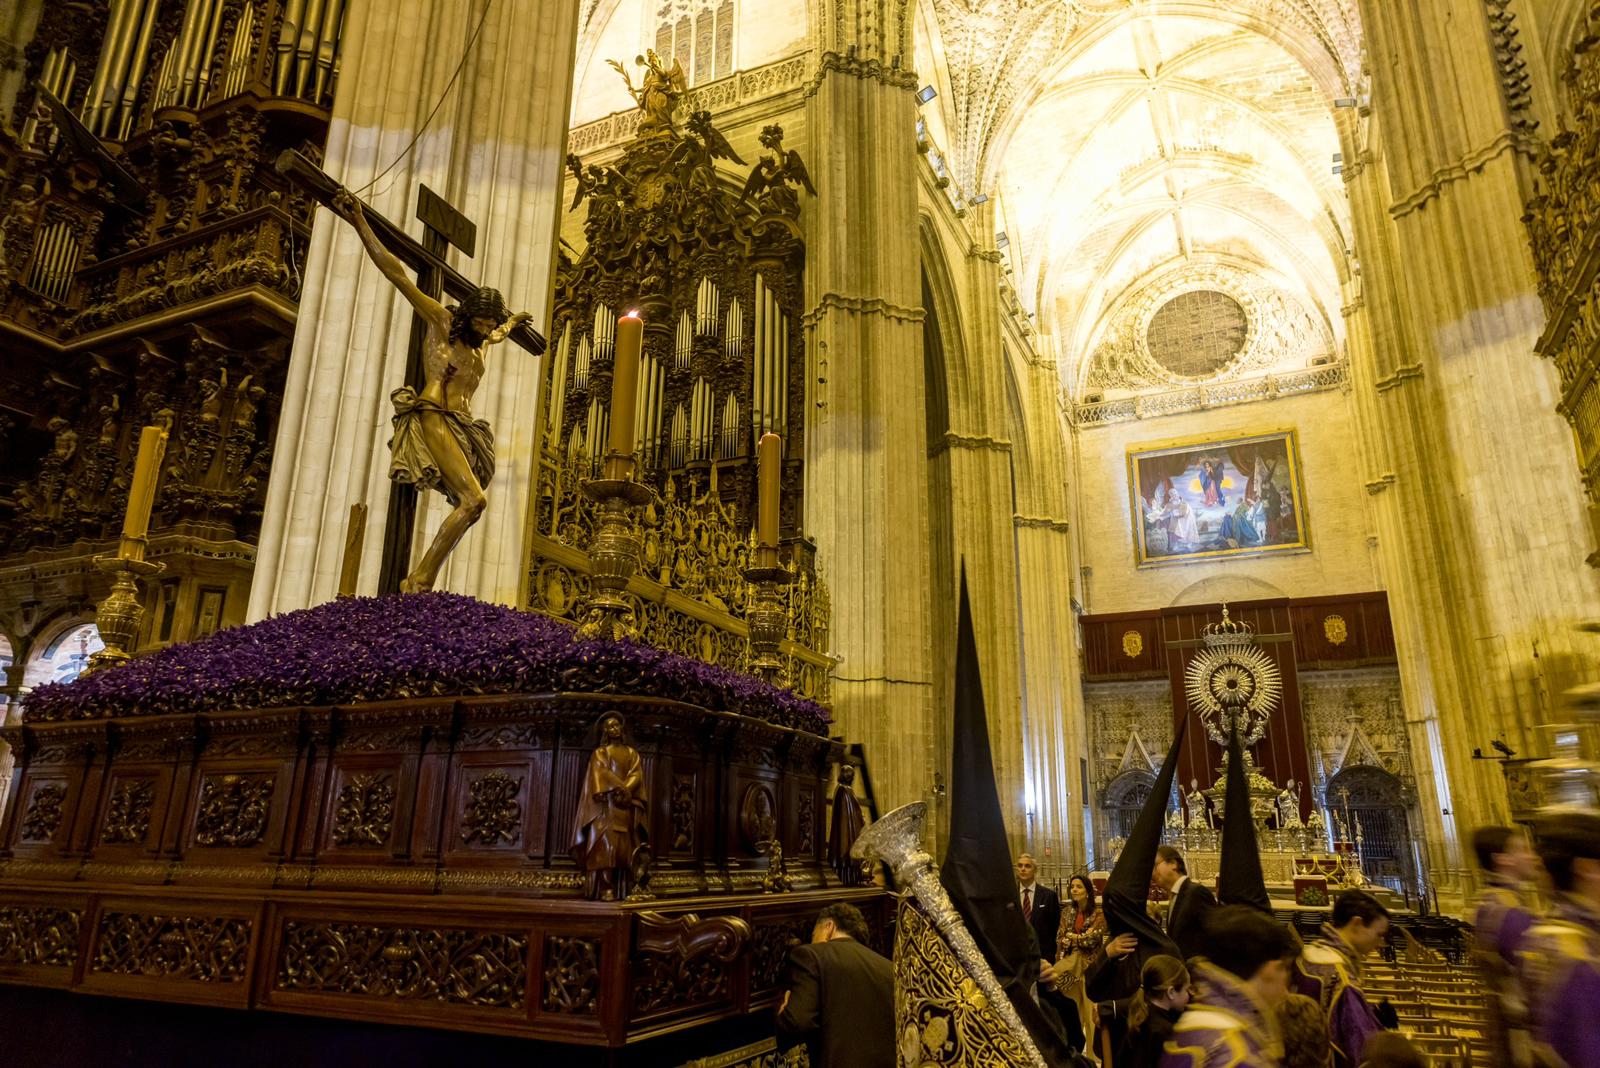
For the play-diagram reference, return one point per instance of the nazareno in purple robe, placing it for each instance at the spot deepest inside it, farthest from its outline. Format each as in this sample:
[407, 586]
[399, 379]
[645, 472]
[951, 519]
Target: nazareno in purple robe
[1561, 974]
[1329, 972]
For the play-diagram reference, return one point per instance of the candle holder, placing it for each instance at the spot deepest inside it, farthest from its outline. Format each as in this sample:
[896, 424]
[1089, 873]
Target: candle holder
[765, 617]
[614, 553]
[119, 614]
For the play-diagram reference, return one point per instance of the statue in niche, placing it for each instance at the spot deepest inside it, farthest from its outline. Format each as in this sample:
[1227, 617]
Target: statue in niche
[658, 92]
[437, 444]
[844, 827]
[1289, 806]
[608, 835]
[1199, 815]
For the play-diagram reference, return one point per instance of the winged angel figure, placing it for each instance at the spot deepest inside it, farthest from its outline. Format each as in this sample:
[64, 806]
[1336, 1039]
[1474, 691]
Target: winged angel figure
[769, 182]
[657, 93]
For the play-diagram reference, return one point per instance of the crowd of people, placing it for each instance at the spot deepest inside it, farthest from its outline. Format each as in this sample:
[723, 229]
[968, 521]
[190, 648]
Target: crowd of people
[1230, 986]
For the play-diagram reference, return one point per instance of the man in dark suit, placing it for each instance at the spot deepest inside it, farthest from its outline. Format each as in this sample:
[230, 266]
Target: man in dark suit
[840, 1000]
[1041, 906]
[1189, 901]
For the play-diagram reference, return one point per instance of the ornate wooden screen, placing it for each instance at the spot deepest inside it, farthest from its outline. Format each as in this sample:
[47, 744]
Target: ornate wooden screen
[717, 275]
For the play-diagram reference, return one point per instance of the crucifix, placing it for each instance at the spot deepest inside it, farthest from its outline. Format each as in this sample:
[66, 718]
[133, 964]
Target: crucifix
[436, 443]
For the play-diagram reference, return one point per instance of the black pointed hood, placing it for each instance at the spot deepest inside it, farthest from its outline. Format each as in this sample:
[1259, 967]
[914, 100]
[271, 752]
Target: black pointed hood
[1128, 888]
[978, 872]
[1240, 881]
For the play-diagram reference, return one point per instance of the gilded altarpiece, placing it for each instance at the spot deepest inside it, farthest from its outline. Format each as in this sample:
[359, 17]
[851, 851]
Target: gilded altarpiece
[1564, 234]
[150, 264]
[712, 259]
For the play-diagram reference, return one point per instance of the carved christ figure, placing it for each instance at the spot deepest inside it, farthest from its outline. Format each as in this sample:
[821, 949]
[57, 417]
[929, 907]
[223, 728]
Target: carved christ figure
[437, 444]
[609, 826]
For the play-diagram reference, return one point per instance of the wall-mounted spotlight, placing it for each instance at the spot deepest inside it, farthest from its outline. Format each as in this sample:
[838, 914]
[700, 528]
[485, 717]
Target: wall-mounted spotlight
[926, 93]
[981, 198]
[1001, 240]
[1344, 102]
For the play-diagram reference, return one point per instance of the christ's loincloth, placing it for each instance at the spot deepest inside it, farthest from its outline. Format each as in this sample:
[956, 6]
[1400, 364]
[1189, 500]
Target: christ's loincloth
[413, 462]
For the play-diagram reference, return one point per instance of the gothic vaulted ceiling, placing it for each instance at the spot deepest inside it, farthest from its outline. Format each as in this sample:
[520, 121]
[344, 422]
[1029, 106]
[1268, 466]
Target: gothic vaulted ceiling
[1165, 173]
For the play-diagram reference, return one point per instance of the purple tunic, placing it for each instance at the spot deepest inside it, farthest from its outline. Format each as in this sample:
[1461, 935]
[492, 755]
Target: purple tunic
[1329, 972]
[1225, 1026]
[1499, 925]
[1561, 973]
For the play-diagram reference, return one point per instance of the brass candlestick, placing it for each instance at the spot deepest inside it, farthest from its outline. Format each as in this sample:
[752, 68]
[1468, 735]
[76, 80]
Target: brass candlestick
[766, 617]
[119, 614]
[614, 553]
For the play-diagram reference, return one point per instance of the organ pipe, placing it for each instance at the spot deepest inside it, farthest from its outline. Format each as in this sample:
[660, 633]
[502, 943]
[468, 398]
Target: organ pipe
[683, 346]
[605, 333]
[706, 309]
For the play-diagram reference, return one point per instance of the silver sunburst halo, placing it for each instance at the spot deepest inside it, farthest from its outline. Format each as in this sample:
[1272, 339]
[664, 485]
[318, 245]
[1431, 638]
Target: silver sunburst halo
[1233, 680]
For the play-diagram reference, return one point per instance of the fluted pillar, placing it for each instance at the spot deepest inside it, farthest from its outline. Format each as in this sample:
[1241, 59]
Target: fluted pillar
[494, 149]
[866, 458]
[1478, 503]
[970, 472]
[1056, 740]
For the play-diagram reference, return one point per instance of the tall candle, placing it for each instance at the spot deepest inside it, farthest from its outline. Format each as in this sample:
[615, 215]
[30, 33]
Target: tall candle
[769, 463]
[146, 472]
[624, 391]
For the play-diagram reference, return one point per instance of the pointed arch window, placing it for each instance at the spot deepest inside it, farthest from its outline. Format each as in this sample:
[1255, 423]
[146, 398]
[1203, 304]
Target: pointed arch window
[698, 34]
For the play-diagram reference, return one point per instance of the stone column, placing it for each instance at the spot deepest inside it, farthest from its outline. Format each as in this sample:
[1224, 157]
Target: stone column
[1479, 508]
[866, 458]
[1056, 735]
[495, 149]
[971, 463]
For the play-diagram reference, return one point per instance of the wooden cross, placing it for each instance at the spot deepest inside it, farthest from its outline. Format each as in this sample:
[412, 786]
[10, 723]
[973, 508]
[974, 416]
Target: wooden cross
[443, 226]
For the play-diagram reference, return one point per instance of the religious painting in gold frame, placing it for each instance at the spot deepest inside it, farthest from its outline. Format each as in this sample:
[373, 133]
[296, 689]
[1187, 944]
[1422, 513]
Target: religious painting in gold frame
[1216, 498]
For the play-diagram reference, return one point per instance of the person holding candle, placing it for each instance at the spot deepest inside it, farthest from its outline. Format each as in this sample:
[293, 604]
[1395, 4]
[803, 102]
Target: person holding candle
[437, 444]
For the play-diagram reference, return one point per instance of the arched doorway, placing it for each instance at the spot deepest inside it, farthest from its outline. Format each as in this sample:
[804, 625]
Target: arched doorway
[63, 657]
[1123, 799]
[1374, 804]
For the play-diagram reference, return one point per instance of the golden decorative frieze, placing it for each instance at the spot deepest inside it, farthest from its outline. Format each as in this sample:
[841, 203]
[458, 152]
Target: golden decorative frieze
[1240, 391]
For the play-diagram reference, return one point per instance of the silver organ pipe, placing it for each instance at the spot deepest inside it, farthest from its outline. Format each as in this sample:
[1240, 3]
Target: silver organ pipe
[55, 259]
[758, 369]
[595, 434]
[328, 49]
[700, 421]
[237, 71]
[118, 29]
[605, 333]
[683, 344]
[580, 366]
[679, 454]
[647, 411]
[730, 427]
[558, 384]
[658, 394]
[60, 71]
[288, 35]
[733, 331]
[307, 52]
[706, 309]
[120, 121]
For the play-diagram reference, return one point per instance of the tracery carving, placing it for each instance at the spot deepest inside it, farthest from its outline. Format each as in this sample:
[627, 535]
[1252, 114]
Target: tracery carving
[486, 968]
[202, 949]
[571, 975]
[233, 810]
[365, 810]
[39, 935]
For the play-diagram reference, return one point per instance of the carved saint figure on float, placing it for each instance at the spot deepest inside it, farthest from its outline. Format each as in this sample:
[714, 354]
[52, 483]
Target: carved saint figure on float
[608, 837]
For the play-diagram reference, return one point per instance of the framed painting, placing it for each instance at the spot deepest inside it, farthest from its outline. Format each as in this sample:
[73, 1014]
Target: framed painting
[1215, 498]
